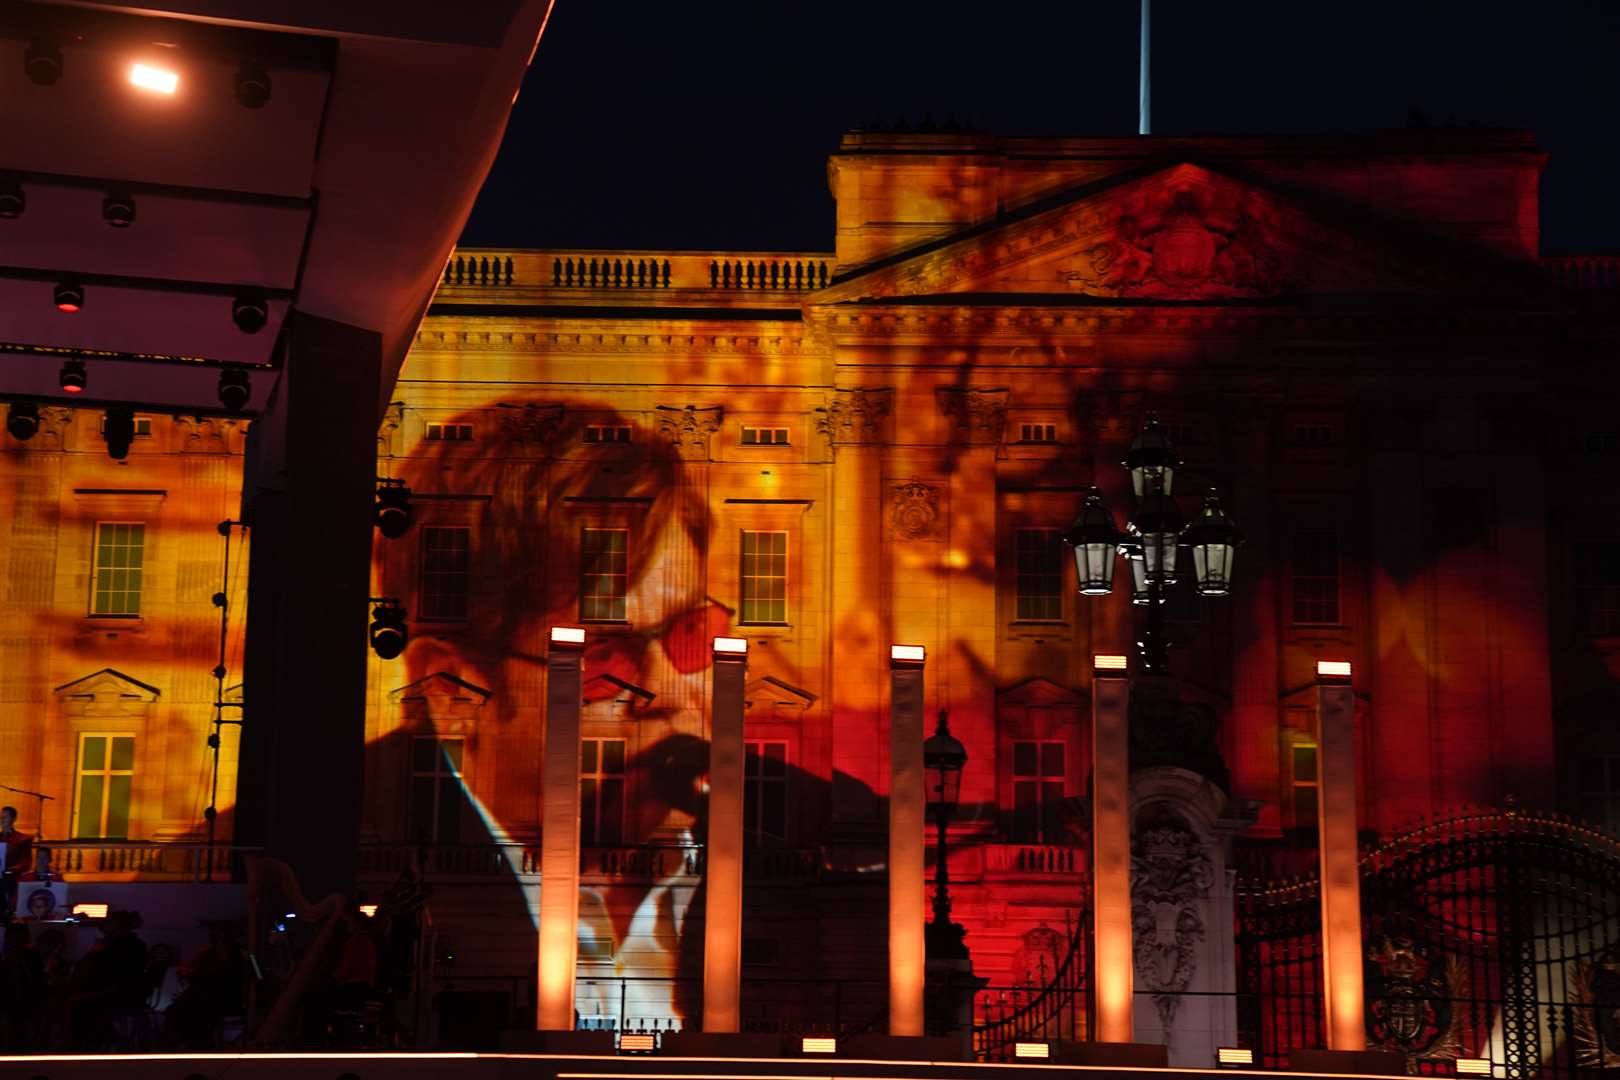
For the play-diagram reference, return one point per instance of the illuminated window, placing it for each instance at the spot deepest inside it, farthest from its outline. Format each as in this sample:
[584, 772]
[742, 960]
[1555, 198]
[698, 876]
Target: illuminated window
[765, 793]
[449, 433]
[1038, 782]
[603, 565]
[764, 577]
[1316, 578]
[764, 436]
[102, 794]
[119, 564]
[1037, 433]
[1597, 577]
[445, 570]
[1599, 790]
[436, 797]
[601, 792]
[607, 433]
[1304, 781]
[1040, 575]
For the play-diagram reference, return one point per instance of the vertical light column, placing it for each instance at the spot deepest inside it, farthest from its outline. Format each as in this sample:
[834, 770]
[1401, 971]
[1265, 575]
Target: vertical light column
[908, 809]
[1340, 869]
[1111, 847]
[723, 872]
[559, 836]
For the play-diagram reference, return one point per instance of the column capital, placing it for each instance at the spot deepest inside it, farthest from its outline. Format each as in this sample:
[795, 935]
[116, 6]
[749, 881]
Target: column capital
[531, 428]
[977, 416]
[688, 429]
[856, 416]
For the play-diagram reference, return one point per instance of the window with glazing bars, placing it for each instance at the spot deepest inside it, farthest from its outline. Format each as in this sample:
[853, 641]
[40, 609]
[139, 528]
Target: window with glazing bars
[436, 795]
[1316, 578]
[764, 577]
[601, 792]
[1304, 781]
[106, 778]
[119, 564]
[446, 565]
[1038, 781]
[1040, 575]
[603, 568]
[764, 436]
[765, 793]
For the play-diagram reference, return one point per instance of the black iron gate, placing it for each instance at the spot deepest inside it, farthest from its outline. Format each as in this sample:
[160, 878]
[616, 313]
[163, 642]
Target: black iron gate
[1491, 935]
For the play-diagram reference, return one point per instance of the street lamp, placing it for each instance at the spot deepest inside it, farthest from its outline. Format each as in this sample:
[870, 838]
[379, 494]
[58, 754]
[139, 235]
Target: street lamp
[943, 758]
[1152, 540]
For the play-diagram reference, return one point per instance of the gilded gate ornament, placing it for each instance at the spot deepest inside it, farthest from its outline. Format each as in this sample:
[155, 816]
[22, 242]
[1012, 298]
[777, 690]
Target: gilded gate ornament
[1411, 990]
[1595, 990]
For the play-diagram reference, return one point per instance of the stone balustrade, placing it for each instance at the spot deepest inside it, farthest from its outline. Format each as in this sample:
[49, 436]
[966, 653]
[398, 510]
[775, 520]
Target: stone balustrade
[482, 272]
[1585, 273]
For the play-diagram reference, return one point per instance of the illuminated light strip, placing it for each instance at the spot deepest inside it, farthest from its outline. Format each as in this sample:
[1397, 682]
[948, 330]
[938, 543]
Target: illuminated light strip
[1108, 663]
[633, 1042]
[91, 911]
[1473, 1066]
[369, 910]
[567, 635]
[1032, 1050]
[731, 646]
[1234, 1055]
[909, 654]
[148, 77]
[818, 1044]
[1333, 669]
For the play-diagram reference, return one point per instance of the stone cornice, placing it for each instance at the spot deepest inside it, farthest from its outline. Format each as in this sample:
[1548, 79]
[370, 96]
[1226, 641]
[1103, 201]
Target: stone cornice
[602, 337]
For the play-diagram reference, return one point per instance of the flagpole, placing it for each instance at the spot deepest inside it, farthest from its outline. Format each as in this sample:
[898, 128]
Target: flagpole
[1144, 124]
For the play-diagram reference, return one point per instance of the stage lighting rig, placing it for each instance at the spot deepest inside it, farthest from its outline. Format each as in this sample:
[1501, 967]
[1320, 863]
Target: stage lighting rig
[69, 296]
[393, 513]
[42, 60]
[234, 389]
[252, 84]
[118, 428]
[12, 200]
[72, 378]
[22, 420]
[118, 209]
[388, 633]
[250, 312]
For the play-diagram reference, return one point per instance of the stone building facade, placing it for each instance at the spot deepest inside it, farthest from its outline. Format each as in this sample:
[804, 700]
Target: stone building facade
[1355, 340]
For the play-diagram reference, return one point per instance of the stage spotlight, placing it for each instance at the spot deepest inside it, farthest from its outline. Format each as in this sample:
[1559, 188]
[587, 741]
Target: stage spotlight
[23, 420]
[12, 199]
[72, 377]
[118, 209]
[234, 389]
[69, 296]
[250, 312]
[252, 84]
[43, 62]
[388, 634]
[159, 80]
[393, 514]
[118, 428]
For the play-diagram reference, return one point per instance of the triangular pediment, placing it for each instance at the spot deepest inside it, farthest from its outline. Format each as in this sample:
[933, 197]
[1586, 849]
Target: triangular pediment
[1182, 233]
[606, 687]
[770, 689]
[1039, 692]
[441, 685]
[108, 683]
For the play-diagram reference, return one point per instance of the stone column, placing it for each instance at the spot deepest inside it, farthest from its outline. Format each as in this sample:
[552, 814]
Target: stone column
[1111, 847]
[908, 808]
[308, 490]
[1252, 746]
[723, 873]
[1340, 870]
[559, 836]
[854, 422]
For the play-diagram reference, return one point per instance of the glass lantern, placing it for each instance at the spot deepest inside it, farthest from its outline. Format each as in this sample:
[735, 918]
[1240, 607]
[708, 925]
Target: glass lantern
[1152, 461]
[1214, 541]
[1096, 542]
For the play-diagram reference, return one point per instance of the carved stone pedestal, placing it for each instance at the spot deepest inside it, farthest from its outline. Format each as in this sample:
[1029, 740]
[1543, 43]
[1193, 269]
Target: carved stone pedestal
[1181, 914]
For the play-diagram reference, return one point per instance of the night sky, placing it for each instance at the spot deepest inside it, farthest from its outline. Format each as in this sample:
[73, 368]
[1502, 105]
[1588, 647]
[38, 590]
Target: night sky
[645, 124]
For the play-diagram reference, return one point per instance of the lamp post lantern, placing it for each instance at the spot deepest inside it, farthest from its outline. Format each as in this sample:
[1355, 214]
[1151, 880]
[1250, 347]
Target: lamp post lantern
[943, 759]
[1152, 542]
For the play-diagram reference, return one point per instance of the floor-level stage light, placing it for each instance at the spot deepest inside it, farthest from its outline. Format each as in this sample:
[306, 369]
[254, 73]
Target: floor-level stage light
[12, 200]
[159, 80]
[818, 1044]
[637, 1042]
[1473, 1066]
[22, 420]
[69, 296]
[1234, 1057]
[1032, 1051]
[72, 377]
[252, 84]
[388, 633]
[118, 209]
[393, 513]
[234, 389]
[250, 312]
[42, 60]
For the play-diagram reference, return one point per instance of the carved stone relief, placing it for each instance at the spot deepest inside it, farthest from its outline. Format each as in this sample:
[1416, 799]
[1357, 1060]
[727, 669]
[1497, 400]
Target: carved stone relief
[977, 416]
[1183, 256]
[913, 510]
[688, 429]
[393, 416]
[530, 426]
[1171, 875]
[855, 416]
[205, 434]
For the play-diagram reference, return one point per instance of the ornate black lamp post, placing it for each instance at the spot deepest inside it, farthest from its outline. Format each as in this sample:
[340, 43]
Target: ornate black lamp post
[943, 758]
[1152, 541]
